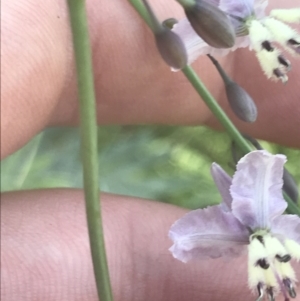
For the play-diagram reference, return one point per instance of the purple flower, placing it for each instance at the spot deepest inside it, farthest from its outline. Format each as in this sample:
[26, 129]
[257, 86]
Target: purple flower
[249, 219]
[253, 29]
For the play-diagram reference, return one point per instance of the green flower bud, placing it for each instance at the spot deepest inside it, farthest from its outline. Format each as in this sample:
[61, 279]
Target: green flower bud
[239, 100]
[210, 23]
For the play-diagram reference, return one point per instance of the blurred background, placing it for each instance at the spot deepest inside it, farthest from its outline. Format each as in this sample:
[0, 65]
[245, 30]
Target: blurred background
[164, 163]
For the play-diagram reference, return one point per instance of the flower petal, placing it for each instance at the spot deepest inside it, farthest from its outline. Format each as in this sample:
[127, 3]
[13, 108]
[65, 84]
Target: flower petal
[196, 47]
[241, 9]
[209, 232]
[287, 226]
[245, 8]
[256, 189]
[259, 8]
[223, 182]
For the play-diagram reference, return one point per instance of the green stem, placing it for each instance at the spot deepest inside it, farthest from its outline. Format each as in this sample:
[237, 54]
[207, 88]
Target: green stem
[215, 107]
[227, 124]
[143, 12]
[88, 131]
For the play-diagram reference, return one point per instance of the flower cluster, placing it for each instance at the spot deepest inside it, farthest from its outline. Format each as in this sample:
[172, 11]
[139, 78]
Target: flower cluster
[252, 29]
[249, 218]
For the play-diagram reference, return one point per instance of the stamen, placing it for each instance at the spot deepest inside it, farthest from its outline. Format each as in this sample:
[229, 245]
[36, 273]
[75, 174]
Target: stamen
[293, 248]
[260, 239]
[285, 258]
[267, 45]
[291, 15]
[270, 294]
[279, 74]
[293, 42]
[283, 61]
[289, 285]
[260, 292]
[263, 263]
[282, 33]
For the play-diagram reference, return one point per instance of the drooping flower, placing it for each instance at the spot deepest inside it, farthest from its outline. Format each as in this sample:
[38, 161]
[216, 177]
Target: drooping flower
[248, 219]
[253, 29]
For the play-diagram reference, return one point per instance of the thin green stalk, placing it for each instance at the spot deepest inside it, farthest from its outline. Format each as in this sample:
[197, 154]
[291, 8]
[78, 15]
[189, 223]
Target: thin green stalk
[215, 107]
[227, 124]
[143, 12]
[89, 150]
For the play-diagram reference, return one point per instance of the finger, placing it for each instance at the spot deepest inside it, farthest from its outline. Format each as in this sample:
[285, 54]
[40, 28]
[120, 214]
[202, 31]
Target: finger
[132, 83]
[46, 256]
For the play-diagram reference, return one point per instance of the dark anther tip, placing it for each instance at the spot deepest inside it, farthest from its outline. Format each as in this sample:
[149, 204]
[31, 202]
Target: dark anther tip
[260, 239]
[289, 286]
[285, 258]
[270, 294]
[267, 46]
[263, 263]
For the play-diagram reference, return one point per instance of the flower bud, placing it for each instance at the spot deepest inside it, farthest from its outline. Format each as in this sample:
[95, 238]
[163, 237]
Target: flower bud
[169, 44]
[210, 23]
[239, 100]
[171, 48]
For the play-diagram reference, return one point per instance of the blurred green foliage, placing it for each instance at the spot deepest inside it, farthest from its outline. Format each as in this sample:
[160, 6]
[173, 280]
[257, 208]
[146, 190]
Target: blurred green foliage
[170, 164]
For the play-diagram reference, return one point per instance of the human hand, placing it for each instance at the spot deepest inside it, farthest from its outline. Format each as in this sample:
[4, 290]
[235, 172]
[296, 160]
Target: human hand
[45, 253]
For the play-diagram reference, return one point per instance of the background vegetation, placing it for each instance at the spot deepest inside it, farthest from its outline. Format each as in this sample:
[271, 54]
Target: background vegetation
[170, 164]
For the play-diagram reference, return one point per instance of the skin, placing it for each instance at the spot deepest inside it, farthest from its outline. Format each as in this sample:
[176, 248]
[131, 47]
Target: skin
[44, 244]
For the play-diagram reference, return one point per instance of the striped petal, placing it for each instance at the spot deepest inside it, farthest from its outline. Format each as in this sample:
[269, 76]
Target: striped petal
[257, 189]
[209, 232]
[196, 47]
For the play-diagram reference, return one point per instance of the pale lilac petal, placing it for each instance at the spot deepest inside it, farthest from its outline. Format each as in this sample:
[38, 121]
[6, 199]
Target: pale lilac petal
[223, 182]
[287, 226]
[244, 8]
[241, 9]
[260, 8]
[256, 189]
[196, 47]
[209, 232]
